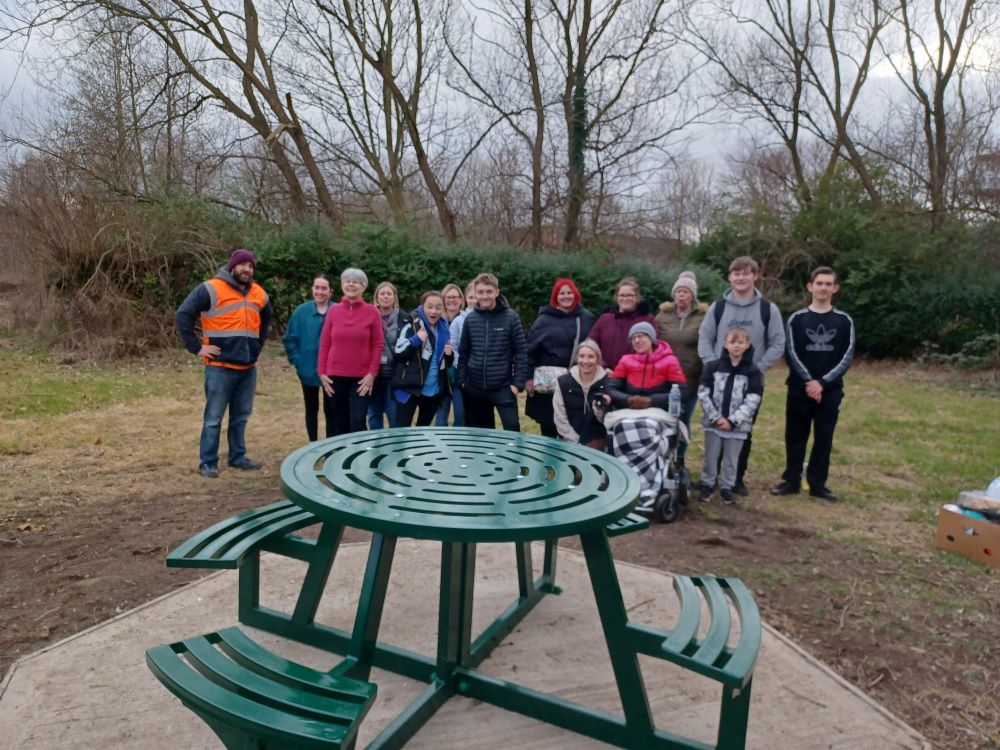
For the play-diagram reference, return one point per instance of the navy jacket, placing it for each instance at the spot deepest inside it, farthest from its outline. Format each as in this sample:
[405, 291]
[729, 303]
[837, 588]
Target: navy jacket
[493, 352]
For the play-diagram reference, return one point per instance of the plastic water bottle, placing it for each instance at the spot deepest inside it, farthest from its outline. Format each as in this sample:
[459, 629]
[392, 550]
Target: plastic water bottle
[675, 400]
[993, 491]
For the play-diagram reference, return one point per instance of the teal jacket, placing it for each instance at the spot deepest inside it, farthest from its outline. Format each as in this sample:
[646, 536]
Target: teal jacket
[302, 341]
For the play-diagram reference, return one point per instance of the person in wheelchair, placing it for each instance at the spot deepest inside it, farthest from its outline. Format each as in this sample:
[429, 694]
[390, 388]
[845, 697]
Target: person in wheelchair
[641, 431]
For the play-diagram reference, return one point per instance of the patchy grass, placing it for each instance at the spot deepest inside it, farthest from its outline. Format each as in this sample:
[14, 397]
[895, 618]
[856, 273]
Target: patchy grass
[33, 385]
[857, 582]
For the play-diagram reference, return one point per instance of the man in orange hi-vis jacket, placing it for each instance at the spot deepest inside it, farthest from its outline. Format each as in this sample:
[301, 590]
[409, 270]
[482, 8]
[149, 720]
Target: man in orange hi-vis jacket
[234, 314]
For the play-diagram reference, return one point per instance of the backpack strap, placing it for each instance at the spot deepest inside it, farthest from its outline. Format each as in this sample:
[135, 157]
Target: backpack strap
[765, 314]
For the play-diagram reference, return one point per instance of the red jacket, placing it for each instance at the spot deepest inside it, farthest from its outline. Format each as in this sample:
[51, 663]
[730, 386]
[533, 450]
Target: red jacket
[350, 345]
[650, 370]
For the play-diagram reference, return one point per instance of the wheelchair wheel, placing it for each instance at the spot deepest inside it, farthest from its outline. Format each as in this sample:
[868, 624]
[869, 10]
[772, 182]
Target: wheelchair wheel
[668, 506]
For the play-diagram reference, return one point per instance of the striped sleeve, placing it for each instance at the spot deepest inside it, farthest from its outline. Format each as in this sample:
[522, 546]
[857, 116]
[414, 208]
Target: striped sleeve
[791, 341]
[845, 361]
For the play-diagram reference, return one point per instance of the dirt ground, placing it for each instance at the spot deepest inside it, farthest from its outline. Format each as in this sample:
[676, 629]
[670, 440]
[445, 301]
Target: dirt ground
[931, 663]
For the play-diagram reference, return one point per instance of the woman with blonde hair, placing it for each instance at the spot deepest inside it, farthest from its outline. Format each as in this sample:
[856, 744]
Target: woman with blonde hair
[572, 402]
[393, 319]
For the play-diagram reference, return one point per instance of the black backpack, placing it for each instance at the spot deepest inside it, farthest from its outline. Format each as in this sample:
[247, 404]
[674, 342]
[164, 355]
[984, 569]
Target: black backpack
[765, 314]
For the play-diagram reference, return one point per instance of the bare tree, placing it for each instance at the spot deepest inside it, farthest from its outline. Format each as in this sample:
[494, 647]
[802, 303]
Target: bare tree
[406, 67]
[504, 72]
[759, 56]
[935, 63]
[605, 82]
[234, 66]
[801, 68]
[360, 125]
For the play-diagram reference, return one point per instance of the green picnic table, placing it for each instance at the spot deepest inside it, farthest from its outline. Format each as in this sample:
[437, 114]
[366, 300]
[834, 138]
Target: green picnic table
[462, 487]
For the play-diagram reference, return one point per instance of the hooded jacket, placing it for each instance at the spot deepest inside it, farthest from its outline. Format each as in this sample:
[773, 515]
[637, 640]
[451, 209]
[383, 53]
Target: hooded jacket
[731, 392]
[650, 374]
[493, 352]
[552, 335]
[233, 317]
[742, 314]
[409, 345]
[571, 405]
[682, 335]
[611, 330]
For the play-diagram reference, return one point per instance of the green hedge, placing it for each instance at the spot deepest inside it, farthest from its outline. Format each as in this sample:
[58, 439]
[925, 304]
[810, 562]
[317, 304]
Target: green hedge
[907, 289]
[292, 254]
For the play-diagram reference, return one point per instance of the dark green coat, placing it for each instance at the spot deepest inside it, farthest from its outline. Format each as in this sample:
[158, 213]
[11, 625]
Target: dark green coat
[683, 338]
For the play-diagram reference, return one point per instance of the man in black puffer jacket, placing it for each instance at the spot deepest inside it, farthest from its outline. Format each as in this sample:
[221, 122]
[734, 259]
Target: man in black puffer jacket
[493, 358]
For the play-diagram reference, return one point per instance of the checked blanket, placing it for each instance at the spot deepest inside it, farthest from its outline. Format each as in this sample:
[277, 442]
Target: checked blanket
[642, 443]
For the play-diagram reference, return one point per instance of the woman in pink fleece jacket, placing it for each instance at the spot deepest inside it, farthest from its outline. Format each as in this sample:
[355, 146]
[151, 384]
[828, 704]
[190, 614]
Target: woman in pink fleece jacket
[643, 378]
[350, 351]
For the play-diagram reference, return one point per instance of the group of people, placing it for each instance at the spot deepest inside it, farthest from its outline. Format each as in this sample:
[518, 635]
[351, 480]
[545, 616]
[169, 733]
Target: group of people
[463, 356]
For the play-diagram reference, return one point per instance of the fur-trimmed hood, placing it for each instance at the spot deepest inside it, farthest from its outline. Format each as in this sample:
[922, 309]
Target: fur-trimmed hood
[668, 306]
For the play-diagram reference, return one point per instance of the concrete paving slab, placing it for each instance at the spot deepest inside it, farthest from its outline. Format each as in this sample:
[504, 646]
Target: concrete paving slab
[93, 690]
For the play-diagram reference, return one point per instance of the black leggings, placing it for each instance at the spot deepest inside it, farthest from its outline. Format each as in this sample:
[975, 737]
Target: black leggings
[310, 394]
[425, 408]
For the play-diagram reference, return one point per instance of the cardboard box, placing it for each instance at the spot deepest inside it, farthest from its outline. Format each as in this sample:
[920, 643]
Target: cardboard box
[970, 537]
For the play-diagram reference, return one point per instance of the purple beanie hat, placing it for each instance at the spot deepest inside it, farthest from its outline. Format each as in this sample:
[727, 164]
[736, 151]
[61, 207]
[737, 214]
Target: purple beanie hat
[241, 256]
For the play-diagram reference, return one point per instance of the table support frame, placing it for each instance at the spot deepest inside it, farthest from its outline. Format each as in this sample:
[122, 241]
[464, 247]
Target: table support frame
[453, 669]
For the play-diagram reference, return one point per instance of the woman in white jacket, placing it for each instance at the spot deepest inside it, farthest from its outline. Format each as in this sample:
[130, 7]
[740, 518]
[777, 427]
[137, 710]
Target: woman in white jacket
[572, 401]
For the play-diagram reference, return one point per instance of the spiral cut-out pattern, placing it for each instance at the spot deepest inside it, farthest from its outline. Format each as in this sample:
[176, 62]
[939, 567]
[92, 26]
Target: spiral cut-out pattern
[459, 484]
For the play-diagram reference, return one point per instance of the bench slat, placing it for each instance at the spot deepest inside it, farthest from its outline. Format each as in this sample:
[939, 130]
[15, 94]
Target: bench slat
[318, 704]
[744, 656]
[628, 524]
[682, 636]
[711, 649]
[226, 543]
[713, 657]
[241, 648]
[250, 533]
[233, 683]
[214, 702]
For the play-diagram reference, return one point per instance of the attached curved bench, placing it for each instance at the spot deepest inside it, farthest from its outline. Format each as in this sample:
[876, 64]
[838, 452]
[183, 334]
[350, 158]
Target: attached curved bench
[627, 524]
[711, 656]
[248, 695]
[228, 543]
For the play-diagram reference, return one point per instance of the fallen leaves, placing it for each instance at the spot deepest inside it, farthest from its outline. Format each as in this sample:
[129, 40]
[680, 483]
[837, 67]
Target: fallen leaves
[36, 528]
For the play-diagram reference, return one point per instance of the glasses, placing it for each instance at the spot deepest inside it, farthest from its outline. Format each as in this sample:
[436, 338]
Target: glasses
[626, 295]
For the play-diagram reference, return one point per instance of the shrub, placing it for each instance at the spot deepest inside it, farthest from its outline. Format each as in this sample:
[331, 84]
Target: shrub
[291, 255]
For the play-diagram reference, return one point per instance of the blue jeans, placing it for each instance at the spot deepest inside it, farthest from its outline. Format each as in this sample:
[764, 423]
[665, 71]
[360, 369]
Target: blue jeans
[226, 388]
[687, 409]
[381, 402]
[446, 403]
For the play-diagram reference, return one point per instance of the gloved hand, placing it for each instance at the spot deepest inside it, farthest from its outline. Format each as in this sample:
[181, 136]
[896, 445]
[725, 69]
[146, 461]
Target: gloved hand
[640, 402]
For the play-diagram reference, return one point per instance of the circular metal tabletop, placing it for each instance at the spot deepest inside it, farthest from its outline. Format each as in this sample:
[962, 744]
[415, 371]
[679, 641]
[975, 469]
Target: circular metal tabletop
[459, 484]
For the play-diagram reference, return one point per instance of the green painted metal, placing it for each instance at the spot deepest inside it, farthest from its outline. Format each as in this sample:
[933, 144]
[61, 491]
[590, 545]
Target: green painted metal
[628, 524]
[463, 487]
[251, 697]
[566, 714]
[325, 550]
[361, 650]
[401, 729]
[741, 662]
[712, 657]
[712, 647]
[227, 543]
[460, 485]
[614, 620]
